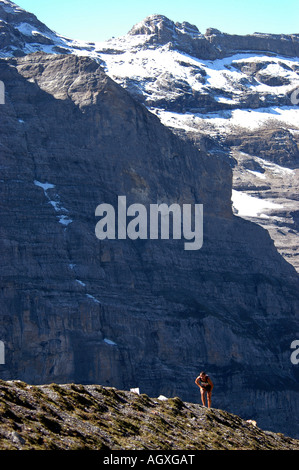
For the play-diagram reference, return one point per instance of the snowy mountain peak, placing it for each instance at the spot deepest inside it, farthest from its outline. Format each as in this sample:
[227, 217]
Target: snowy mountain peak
[9, 6]
[13, 14]
[22, 33]
[158, 30]
[157, 24]
[151, 24]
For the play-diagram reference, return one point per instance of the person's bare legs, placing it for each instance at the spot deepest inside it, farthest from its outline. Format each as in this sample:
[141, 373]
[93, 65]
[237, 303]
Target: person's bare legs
[203, 396]
[209, 398]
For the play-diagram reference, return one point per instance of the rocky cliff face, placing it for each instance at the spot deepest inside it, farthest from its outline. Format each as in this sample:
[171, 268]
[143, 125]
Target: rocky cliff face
[130, 313]
[233, 95]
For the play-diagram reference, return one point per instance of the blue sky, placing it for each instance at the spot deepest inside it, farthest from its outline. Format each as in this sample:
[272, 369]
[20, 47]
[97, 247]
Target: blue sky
[98, 20]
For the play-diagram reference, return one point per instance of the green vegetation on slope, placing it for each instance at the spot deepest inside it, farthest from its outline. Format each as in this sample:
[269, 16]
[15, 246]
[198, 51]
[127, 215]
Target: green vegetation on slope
[92, 417]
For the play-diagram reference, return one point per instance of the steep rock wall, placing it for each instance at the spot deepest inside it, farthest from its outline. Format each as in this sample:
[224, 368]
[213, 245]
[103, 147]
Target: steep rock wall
[130, 313]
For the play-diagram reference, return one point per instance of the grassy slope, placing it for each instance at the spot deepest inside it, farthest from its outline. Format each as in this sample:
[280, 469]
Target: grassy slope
[74, 417]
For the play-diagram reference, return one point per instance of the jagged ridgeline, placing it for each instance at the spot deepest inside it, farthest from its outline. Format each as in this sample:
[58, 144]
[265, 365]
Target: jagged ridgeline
[128, 313]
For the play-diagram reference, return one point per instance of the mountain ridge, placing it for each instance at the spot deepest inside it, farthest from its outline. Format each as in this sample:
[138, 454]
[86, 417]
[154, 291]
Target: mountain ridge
[93, 417]
[28, 34]
[213, 44]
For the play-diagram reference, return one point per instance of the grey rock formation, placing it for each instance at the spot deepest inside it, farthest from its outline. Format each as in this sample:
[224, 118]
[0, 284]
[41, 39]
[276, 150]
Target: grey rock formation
[22, 33]
[241, 104]
[135, 313]
[130, 313]
[214, 44]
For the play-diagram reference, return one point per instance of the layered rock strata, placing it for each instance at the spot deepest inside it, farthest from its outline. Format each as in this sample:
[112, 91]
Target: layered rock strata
[130, 313]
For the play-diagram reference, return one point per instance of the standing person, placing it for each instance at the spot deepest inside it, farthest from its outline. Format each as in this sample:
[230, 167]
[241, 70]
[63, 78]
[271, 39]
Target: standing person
[206, 386]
